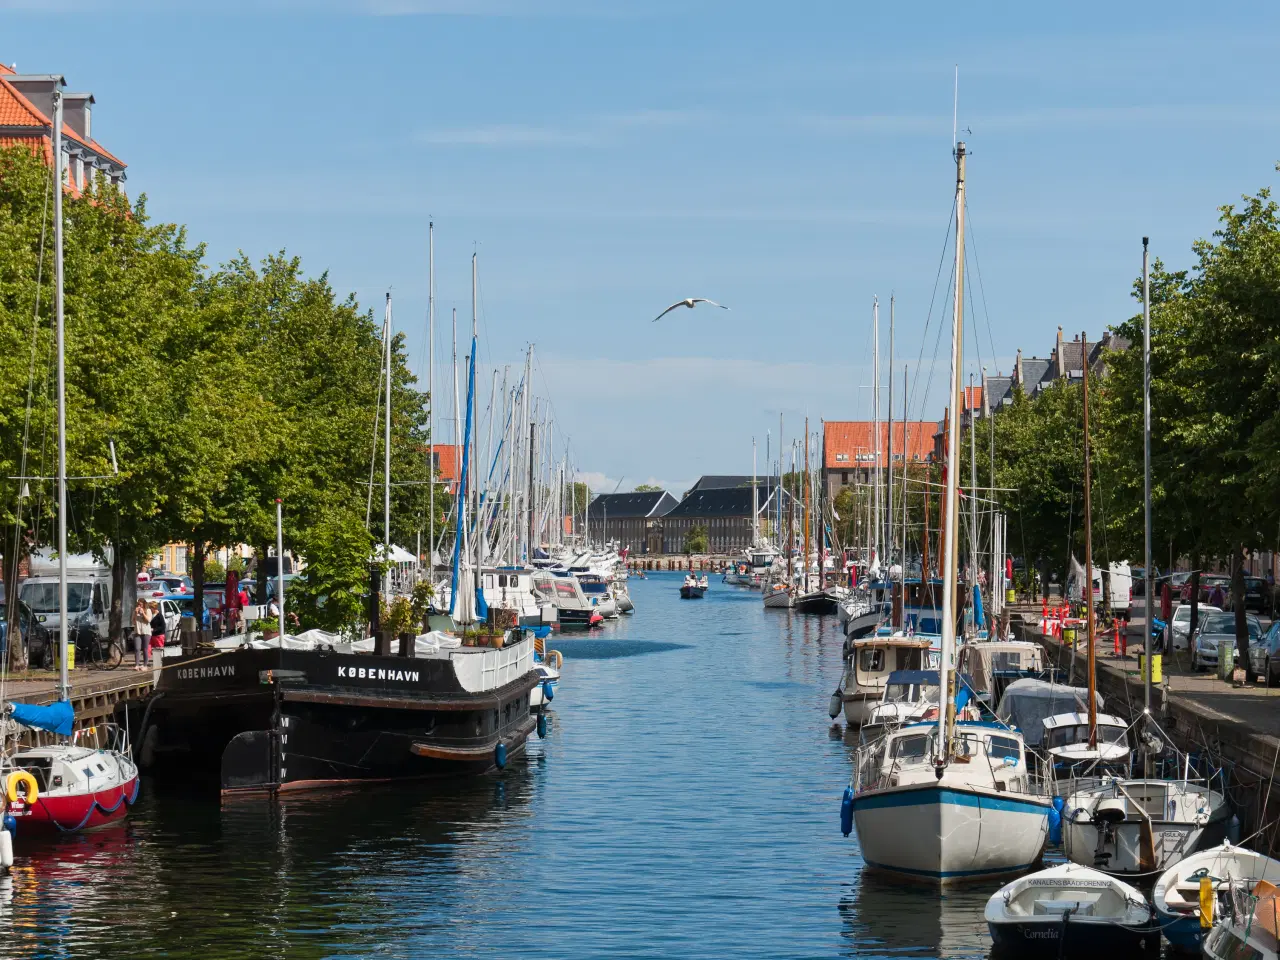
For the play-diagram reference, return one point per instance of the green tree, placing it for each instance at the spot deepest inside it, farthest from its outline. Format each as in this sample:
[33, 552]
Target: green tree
[696, 540]
[647, 488]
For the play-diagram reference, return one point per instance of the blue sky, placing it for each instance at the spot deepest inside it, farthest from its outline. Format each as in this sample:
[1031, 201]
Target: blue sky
[606, 158]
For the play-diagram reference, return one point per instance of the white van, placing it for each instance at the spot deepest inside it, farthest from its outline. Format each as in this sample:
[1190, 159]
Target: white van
[1119, 582]
[88, 593]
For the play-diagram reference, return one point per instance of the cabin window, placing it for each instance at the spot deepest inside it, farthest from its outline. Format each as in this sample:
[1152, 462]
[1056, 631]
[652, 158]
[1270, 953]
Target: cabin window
[911, 748]
[565, 589]
[1002, 748]
[1007, 660]
[871, 660]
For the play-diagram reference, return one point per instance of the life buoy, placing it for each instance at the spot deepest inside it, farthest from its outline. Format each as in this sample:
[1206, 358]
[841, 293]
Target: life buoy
[554, 659]
[21, 777]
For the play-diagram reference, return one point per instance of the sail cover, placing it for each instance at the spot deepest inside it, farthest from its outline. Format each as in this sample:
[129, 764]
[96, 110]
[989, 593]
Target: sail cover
[56, 717]
[1027, 702]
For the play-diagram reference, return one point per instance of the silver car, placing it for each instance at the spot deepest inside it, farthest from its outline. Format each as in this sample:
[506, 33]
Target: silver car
[1182, 623]
[1218, 630]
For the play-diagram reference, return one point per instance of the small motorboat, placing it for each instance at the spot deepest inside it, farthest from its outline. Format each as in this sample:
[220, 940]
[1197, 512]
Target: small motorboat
[1251, 929]
[778, 596]
[1229, 871]
[817, 602]
[1071, 911]
[693, 588]
[548, 669]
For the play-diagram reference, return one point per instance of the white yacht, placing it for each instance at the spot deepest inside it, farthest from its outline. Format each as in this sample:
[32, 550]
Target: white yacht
[868, 665]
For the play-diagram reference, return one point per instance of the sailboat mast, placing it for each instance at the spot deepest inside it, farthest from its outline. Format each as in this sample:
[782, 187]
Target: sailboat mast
[1147, 572]
[386, 439]
[888, 513]
[804, 561]
[875, 424]
[791, 519]
[973, 499]
[475, 432]
[431, 396]
[1088, 549]
[924, 577]
[947, 716]
[64, 679]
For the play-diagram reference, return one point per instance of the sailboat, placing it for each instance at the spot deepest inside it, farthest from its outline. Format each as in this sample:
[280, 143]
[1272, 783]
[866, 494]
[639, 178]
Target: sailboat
[1131, 827]
[87, 778]
[810, 597]
[951, 800]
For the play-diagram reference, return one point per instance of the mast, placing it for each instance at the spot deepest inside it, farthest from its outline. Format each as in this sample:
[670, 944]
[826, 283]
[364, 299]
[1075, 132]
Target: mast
[64, 679]
[905, 459]
[791, 518]
[947, 716]
[1088, 551]
[473, 429]
[386, 453]
[973, 502]
[997, 572]
[804, 561]
[431, 396]
[779, 487]
[1148, 573]
[889, 460]
[875, 425]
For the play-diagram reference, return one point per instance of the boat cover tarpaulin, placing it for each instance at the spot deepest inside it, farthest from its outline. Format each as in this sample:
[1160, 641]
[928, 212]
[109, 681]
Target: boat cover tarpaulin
[56, 717]
[1027, 703]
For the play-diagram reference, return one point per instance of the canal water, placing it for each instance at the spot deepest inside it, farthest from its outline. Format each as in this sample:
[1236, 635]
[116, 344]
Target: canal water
[684, 804]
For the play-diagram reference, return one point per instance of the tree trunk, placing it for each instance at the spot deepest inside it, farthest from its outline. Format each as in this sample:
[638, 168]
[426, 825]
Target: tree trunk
[260, 574]
[197, 575]
[1237, 606]
[117, 595]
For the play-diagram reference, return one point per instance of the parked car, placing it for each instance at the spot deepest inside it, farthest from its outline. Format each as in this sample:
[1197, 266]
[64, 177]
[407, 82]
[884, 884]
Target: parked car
[175, 582]
[183, 604]
[1264, 656]
[40, 643]
[1182, 623]
[152, 589]
[1218, 630]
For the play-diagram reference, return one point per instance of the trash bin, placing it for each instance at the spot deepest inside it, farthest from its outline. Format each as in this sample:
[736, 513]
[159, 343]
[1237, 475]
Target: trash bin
[1069, 635]
[1157, 666]
[1226, 662]
[1011, 595]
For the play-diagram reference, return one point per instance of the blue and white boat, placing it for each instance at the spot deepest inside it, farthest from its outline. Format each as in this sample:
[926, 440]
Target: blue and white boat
[948, 801]
[979, 815]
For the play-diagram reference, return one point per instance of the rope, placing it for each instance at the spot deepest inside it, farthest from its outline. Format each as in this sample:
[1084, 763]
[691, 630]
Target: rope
[95, 805]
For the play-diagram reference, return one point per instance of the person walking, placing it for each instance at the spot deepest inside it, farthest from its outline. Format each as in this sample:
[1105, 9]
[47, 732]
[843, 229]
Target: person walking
[157, 631]
[141, 633]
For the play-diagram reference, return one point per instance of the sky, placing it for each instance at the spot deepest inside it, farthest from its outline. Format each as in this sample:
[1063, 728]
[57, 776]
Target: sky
[605, 158]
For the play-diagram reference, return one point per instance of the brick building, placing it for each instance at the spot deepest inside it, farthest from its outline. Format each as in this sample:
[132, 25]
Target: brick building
[634, 520]
[848, 449]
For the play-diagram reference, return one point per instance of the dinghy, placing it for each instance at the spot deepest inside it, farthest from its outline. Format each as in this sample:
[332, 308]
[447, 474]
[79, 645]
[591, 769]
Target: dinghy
[1070, 911]
[1223, 873]
[1251, 931]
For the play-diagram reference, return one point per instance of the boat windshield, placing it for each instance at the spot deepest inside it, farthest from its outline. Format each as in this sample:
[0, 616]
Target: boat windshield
[913, 692]
[1065, 736]
[915, 747]
[1013, 660]
[43, 597]
[871, 659]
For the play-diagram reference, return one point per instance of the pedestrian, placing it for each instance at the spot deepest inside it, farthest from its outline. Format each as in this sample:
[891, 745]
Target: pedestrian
[157, 631]
[1217, 598]
[141, 633]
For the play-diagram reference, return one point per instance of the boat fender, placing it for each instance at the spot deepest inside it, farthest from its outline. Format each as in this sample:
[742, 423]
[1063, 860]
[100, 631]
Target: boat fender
[1055, 821]
[548, 693]
[542, 726]
[837, 700]
[21, 777]
[6, 850]
[500, 755]
[10, 823]
[846, 811]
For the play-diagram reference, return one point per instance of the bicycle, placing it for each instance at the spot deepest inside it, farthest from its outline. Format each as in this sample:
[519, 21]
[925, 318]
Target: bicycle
[98, 653]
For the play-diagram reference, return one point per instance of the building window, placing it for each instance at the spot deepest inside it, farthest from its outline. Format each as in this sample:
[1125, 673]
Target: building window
[842, 458]
[844, 477]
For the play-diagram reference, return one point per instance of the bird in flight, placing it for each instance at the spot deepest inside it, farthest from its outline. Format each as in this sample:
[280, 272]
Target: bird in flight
[688, 302]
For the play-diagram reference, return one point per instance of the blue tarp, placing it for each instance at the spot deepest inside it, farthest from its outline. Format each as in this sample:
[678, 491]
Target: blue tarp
[56, 718]
[978, 618]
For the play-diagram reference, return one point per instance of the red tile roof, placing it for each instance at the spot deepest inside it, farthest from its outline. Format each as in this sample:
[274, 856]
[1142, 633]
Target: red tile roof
[845, 441]
[448, 459]
[37, 144]
[972, 398]
[17, 111]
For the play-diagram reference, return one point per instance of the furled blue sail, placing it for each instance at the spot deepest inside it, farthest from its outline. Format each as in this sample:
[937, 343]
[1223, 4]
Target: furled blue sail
[56, 717]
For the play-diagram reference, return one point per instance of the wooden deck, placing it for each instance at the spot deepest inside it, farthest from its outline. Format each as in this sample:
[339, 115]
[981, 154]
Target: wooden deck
[94, 693]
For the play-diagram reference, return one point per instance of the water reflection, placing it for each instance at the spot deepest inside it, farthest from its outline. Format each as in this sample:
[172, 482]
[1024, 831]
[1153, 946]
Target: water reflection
[884, 918]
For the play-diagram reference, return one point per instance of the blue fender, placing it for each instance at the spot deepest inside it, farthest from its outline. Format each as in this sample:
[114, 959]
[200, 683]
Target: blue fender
[1055, 821]
[846, 811]
[542, 726]
[500, 755]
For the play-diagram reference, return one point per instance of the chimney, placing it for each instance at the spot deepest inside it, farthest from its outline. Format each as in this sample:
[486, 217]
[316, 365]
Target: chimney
[1017, 369]
[75, 112]
[38, 88]
[1059, 365]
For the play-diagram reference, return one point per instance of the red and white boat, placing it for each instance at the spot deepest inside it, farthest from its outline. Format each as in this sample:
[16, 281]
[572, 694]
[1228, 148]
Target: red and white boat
[76, 787]
[87, 782]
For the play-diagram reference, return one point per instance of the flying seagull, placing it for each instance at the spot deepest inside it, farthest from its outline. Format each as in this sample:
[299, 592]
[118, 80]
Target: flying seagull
[688, 302]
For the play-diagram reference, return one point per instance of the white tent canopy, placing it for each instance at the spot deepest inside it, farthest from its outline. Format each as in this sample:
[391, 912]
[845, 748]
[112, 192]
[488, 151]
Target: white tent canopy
[394, 554]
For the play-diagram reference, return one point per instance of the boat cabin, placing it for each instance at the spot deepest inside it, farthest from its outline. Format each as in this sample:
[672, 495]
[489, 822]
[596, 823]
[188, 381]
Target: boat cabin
[873, 659]
[984, 752]
[1066, 738]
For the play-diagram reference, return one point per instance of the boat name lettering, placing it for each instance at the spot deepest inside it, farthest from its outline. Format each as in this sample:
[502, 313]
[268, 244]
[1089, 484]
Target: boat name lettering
[379, 673]
[1040, 934]
[196, 673]
[1066, 882]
